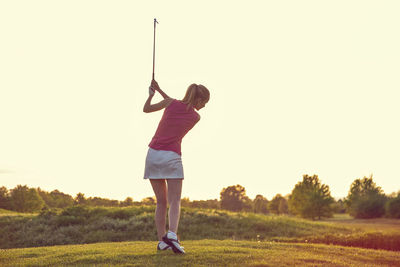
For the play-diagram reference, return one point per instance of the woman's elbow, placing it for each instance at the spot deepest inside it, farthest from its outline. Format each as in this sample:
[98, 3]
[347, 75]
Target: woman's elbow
[147, 109]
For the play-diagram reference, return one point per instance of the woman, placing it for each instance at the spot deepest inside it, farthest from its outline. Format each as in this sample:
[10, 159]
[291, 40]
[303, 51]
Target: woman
[163, 162]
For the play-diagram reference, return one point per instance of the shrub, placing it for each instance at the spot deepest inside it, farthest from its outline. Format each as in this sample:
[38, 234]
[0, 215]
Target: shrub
[66, 220]
[392, 207]
[77, 211]
[122, 214]
[98, 212]
[47, 214]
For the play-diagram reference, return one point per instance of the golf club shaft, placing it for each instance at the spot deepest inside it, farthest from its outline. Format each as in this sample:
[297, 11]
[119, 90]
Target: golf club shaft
[154, 45]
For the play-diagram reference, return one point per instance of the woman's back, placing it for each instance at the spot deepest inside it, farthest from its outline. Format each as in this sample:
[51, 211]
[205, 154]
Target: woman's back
[175, 123]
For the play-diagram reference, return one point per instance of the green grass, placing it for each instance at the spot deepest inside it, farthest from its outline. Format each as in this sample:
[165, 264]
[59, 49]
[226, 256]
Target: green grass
[199, 253]
[4, 212]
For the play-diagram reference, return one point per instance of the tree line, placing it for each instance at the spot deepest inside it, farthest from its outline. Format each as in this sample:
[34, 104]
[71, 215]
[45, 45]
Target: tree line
[25, 199]
[311, 199]
[308, 199]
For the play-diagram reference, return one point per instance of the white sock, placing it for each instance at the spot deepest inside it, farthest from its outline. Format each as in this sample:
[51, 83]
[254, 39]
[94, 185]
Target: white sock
[172, 233]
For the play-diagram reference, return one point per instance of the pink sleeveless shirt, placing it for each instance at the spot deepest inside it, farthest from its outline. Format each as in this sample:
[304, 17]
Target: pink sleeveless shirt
[175, 123]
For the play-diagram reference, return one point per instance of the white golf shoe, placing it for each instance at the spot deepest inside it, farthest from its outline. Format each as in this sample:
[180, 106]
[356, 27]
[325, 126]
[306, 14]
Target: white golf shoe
[172, 240]
[163, 246]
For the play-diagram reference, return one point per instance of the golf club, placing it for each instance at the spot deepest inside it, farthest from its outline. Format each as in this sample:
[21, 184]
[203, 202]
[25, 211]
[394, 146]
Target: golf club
[154, 44]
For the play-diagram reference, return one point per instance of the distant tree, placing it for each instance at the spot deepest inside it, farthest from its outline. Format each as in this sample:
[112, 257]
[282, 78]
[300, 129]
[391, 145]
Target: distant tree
[24, 199]
[278, 205]
[80, 199]
[201, 204]
[311, 199]
[97, 202]
[247, 205]
[392, 207]
[205, 204]
[114, 203]
[394, 194]
[61, 200]
[213, 203]
[234, 198]
[339, 206]
[273, 205]
[283, 206]
[149, 201]
[260, 204]
[185, 202]
[365, 199]
[103, 202]
[46, 197]
[4, 198]
[127, 202]
[56, 199]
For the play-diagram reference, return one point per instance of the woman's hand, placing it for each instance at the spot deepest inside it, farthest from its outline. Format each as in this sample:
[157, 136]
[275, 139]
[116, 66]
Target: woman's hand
[151, 91]
[154, 85]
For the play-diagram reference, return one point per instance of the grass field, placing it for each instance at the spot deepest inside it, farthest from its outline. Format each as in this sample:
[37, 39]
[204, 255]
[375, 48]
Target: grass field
[199, 253]
[122, 237]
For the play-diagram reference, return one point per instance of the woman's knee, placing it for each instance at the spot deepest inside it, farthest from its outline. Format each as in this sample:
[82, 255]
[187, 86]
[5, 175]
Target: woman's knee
[174, 201]
[174, 190]
[162, 203]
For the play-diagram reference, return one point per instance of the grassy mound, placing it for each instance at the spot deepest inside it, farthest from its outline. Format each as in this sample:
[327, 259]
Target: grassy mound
[80, 224]
[217, 224]
[199, 253]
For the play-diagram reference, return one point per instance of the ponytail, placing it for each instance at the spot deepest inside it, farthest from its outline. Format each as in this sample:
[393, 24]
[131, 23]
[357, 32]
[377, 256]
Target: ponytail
[194, 92]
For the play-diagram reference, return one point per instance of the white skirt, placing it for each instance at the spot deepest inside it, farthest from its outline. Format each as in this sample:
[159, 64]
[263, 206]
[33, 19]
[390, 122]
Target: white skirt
[162, 164]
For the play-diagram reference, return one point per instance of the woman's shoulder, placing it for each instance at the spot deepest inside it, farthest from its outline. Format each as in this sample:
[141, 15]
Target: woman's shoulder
[175, 104]
[183, 107]
[168, 101]
[178, 102]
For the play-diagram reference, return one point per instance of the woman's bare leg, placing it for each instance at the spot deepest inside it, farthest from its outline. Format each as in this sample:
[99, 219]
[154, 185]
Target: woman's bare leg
[160, 190]
[174, 200]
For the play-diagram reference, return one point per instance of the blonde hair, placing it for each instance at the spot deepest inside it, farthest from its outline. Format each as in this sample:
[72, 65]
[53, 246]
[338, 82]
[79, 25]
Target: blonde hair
[195, 92]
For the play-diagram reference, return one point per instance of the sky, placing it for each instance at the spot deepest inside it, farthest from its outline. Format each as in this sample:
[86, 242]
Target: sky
[297, 87]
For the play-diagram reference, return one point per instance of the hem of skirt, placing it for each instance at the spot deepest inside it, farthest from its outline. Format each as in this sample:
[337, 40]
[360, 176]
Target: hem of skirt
[163, 178]
[176, 152]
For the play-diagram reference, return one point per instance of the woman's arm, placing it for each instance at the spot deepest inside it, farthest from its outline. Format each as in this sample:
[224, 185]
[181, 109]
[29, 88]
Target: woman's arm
[148, 107]
[156, 107]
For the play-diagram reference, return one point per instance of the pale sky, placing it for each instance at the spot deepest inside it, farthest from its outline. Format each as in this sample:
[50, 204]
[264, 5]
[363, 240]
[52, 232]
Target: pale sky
[297, 87]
